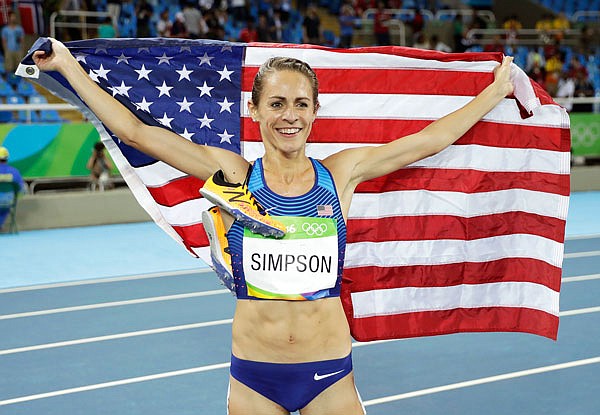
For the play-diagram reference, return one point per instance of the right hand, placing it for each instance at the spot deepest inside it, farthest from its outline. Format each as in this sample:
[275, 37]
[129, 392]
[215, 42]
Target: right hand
[57, 60]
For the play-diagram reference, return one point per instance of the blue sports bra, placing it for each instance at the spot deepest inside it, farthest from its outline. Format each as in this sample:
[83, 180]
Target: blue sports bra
[307, 263]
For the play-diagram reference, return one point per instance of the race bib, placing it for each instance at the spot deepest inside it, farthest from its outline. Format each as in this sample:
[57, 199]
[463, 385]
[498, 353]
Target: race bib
[304, 261]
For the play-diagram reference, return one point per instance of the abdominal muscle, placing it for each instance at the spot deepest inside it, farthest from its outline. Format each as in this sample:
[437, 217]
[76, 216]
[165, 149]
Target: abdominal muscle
[290, 331]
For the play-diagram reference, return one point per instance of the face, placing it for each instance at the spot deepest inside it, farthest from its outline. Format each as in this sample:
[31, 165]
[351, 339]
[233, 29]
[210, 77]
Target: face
[285, 111]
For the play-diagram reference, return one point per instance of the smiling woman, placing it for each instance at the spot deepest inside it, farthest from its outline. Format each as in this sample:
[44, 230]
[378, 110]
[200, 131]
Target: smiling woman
[289, 321]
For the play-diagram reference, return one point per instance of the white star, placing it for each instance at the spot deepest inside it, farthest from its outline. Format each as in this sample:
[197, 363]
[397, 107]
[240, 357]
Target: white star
[226, 48]
[225, 74]
[206, 59]
[123, 58]
[94, 76]
[186, 48]
[187, 135]
[205, 121]
[143, 72]
[205, 89]
[98, 50]
[225, 137]
[123, 89]
[164, 89]
[114, 90]
[81, 57]
[185, 105]
[164, 58]
[184, 73]
[144, 105]
[225, 105]
[144, 49]
[101, 72]
[166, 121]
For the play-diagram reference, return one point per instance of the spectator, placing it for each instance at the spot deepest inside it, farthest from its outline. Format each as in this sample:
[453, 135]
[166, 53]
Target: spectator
[417, 23]
[107, 29]
[264, 30]
[178, 28]
[12, 42]
[437, 44]
[214, 28]
[361, 5]
[99, 166]
[312, 26]
[346, 21]
[249, 33]
[144, 12]
[566, 89]
[422, 42]
[8, 174]
[512, 25]
[458, 34]
[534, 57]
[583, 89]
[194, 22]
[238, 10]
[380, 26]
[164, 24]
[278, 23]
[497, 45]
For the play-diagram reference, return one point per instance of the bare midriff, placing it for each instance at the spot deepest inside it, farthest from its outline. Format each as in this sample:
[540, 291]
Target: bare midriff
[290, 331]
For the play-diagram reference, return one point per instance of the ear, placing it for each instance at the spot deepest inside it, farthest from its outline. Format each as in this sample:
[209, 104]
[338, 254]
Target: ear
[252, 110]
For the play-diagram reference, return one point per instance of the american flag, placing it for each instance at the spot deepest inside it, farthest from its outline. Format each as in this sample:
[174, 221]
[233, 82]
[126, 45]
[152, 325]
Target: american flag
[470, 239]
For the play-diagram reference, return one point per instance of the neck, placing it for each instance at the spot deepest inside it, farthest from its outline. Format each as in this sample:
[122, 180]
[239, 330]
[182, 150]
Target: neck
[289, 177]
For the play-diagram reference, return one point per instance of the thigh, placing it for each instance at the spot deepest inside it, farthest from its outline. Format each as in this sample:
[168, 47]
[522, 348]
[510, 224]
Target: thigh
[244, 401]
[341, 398]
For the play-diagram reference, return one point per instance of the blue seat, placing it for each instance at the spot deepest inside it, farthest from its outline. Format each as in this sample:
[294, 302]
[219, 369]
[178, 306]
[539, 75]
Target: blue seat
[25, 89]
[50, 116]
[22, 115]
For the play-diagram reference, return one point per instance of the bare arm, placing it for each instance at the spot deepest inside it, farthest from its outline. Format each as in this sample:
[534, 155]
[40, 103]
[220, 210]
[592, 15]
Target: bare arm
[354, 166]
[160, 143]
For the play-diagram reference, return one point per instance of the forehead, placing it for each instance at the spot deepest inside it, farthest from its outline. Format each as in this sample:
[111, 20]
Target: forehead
[289, 84]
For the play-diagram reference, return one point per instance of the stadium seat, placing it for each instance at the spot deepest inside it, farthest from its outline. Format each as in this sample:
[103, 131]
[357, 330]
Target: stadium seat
[5, 88]
[50, 116]
[22, 115]
[25, 89]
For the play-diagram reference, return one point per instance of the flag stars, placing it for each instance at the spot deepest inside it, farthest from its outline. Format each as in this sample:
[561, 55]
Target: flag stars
[185, 105]
[166, 121]
[227, 48]
[144, 105]
[143, 72]
[123, 89]
[184, 73]
[81, 57]
[206, 59]
[205, 89]
[94, 76]
[187, 135]
[164, 58]
[225, 137]
[123, 58]
[102, 73]
[164, 89]
[225, 105]
[225, 74]
[205, 121]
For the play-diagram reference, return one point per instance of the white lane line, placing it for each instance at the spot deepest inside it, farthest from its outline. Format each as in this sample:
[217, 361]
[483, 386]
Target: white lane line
[207, 324]
[581, 278]
[114, 383]
[579, 311]
[377, 401]
[577, 237]
[116, 336]
[582, 254]
[482, 381]
[114, 304]
[106, 280]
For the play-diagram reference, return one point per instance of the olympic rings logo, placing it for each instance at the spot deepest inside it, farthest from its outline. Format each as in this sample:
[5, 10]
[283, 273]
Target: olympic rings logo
[314, 229]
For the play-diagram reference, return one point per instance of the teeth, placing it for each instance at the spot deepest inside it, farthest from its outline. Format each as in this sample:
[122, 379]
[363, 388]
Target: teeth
[289, 130]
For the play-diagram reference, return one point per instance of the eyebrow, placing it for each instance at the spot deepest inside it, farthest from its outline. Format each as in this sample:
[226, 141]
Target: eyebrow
[284, 98]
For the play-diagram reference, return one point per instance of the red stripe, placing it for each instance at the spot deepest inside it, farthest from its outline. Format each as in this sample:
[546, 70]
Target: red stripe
[328, 130]
[193, 236]
[466, 181]
[431, 227]
[501, 270]
[431, 323]
[177, 191]
[392, 81]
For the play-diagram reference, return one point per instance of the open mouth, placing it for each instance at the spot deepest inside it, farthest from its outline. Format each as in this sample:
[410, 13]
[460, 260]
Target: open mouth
[288, 131]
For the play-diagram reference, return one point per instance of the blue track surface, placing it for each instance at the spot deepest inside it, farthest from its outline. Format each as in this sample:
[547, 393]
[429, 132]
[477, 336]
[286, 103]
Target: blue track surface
[137, 345]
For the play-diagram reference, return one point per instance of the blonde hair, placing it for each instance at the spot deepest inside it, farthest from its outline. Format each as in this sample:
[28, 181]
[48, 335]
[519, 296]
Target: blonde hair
[284, 64]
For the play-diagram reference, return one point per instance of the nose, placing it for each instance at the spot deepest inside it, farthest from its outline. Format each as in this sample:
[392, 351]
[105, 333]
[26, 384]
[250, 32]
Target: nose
[290, 114]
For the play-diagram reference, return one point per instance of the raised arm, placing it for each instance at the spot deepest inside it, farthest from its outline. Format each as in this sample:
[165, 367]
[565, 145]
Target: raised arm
[160, 143]
[354, 166]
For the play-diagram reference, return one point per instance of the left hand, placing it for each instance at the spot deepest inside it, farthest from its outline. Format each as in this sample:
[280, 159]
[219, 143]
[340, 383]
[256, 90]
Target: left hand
[502, 76]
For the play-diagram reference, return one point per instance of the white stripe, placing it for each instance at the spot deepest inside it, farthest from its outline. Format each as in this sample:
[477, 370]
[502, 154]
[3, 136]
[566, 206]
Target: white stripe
[467, 205]
[481, 381]
[451, 251]
[431, 107]
[317, 58]
[185, 213]
[476, 157]
[113, 304]
[115, 383]
[116, 336]
[158, 174]
[416, 299]
[582, 254]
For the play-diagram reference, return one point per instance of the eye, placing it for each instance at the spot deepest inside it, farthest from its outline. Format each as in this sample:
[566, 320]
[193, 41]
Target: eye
[276, 104]
[302, 104]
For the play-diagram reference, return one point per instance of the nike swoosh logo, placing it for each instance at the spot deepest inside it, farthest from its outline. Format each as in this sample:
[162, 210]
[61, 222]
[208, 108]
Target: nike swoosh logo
[319, 377]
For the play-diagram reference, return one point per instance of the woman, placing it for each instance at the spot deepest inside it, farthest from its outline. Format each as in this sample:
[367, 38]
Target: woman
[286, 355]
